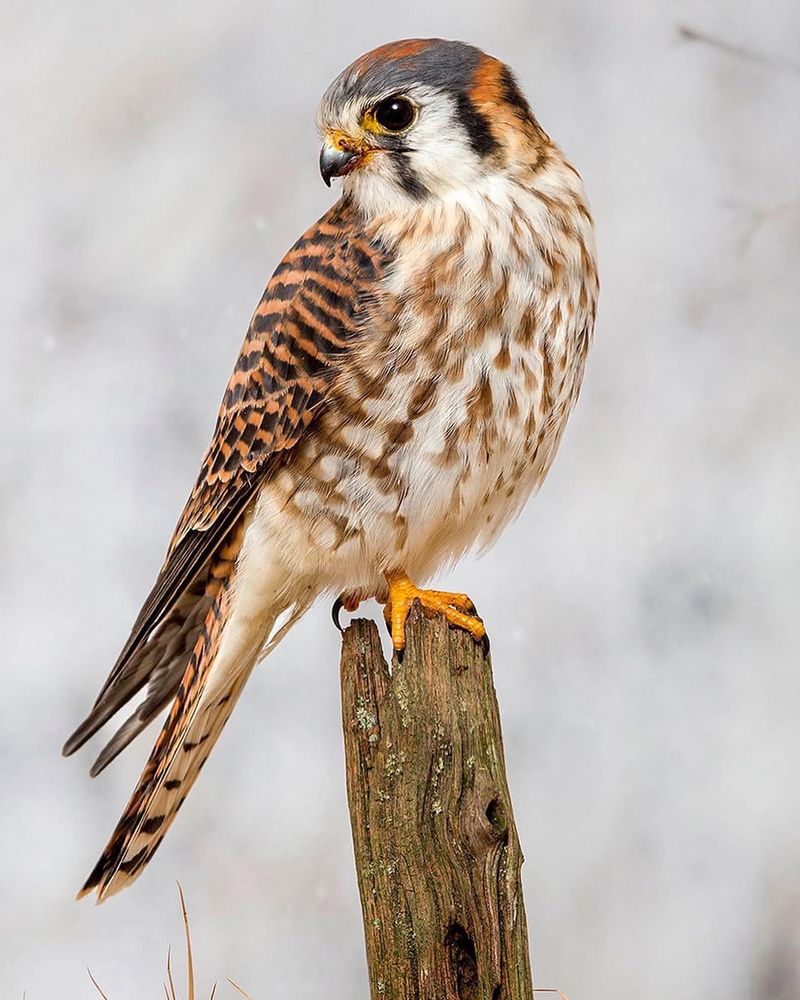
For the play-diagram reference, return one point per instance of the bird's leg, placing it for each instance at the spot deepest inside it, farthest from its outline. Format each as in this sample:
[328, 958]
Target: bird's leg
[458, 609]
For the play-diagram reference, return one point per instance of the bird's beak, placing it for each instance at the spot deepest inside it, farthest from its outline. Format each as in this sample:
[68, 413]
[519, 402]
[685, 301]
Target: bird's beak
[334, 162]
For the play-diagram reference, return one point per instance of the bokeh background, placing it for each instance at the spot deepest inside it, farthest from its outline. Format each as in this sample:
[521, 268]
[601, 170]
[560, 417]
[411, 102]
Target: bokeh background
[157, 159]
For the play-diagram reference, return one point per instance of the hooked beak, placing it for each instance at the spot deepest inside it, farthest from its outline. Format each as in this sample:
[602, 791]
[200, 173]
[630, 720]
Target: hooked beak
[335, 162]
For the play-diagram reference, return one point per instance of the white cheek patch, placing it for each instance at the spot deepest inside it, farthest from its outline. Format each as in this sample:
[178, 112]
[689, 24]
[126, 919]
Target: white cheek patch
[442, 156]
[437, 156]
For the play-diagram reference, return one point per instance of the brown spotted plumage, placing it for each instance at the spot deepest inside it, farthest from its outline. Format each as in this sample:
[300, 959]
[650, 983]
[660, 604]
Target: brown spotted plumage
[307, 318]
[192, 727]
[403, 387]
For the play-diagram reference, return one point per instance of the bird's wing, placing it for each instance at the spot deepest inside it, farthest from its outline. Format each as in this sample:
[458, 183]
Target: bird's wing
[305, 322]
[183, 745]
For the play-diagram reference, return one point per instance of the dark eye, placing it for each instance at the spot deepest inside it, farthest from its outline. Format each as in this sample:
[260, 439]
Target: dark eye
[394, 114]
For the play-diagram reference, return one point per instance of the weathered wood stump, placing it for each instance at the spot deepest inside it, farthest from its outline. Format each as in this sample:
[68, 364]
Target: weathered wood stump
[437, 854]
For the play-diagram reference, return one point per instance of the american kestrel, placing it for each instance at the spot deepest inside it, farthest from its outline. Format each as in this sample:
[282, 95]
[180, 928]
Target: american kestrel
[403, 387]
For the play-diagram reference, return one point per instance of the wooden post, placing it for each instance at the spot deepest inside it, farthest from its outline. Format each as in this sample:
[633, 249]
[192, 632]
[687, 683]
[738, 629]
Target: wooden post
[437, 854]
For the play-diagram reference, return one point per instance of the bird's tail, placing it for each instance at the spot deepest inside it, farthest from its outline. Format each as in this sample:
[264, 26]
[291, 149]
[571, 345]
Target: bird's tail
[231, 641]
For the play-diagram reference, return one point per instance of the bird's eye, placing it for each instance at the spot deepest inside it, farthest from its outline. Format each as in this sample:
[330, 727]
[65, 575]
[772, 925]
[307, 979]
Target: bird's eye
[394, 114]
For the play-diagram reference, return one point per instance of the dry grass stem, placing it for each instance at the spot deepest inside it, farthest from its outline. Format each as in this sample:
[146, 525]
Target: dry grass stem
[244, 993]
[189, 963]
[94, 983]
[170, 990]
[171, 995]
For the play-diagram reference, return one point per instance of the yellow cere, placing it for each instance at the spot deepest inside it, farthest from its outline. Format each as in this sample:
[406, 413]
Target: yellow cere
[342, 141]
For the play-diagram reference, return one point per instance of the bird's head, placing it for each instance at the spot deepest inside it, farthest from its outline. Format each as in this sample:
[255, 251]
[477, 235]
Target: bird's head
[416, 119]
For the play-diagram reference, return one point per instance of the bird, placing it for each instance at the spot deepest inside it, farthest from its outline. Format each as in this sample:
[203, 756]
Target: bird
[402, 390]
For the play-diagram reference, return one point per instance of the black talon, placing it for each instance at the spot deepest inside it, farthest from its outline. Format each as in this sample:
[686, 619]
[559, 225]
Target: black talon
[336, 610]
[485, 645]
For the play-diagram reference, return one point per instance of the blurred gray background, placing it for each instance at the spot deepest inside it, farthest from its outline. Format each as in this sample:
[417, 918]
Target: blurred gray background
[157, 159]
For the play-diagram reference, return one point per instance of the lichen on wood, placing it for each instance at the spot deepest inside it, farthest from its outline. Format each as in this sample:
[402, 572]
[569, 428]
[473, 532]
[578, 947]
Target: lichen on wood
[437, 854]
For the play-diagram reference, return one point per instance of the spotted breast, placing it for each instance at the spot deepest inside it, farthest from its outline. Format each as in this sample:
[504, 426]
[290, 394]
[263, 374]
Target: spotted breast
[452, 402]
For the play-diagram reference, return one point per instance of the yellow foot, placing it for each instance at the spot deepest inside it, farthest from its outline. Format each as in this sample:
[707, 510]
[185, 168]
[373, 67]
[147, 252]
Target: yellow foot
[403, 593]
